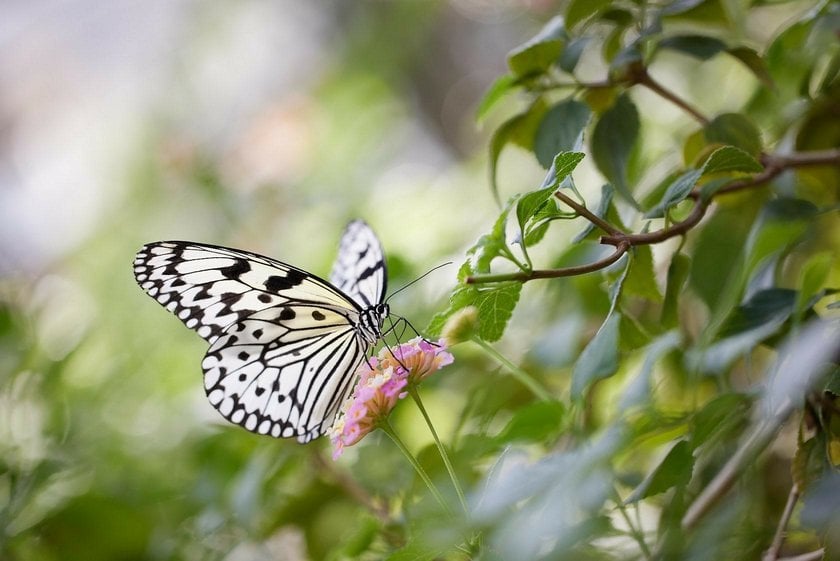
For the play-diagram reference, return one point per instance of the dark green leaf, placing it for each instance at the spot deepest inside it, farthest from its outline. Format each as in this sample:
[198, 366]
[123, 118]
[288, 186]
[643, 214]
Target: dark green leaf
[495, 306]
[809, 461]
[560, 130]
[675, 470]
[677, 275]
[612, 143]
[580, 10]
[755, 63]
[676, 192]
[501, 87]
[731, 159]
[599, 358]
[534, 423]
[702, 47]
[540, 52]
[734, 129]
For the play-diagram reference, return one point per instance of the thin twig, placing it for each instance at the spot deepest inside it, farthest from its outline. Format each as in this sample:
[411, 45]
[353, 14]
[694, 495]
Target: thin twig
[779, 537]
[810, 556]
[640, 76]
[586, 213]
[525, 276]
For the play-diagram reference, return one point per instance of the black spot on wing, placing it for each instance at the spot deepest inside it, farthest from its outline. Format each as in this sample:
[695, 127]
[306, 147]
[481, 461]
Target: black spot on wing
[292, 278]
[287, 314]
[318, 316]
[239, 268]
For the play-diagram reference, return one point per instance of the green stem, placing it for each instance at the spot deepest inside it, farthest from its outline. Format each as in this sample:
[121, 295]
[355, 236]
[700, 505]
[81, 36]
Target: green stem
[517, 372]
[634, 531]
[412, 391]
[388, 429]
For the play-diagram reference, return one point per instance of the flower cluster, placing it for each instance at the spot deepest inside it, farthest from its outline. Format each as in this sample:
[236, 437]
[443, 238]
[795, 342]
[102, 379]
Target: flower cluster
[383, 381]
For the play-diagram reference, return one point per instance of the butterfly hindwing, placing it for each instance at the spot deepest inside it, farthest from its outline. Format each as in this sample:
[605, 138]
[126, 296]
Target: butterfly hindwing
[285, 371]
[359, 270]
[284, 344]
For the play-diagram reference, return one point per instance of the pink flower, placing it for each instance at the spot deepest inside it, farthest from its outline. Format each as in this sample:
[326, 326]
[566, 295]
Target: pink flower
[382, 383]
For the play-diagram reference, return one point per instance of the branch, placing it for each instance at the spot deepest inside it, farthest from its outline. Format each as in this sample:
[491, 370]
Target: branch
[525, 276]
[779, 537]
[639, 75]
[810, 556]
[586, 213]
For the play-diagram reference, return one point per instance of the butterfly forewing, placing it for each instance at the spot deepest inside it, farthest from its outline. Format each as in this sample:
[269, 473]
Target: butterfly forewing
[359, 270]
[285, 344]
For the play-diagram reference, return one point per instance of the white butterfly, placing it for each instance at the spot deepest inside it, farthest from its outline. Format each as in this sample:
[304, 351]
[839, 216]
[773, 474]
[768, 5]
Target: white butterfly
[284, 343]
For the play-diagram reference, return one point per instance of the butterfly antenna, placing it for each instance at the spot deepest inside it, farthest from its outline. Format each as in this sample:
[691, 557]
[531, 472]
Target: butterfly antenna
[427, 273]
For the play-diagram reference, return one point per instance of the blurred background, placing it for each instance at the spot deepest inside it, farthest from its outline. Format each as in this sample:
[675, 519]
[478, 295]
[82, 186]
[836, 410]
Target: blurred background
[259, 125]
[265, 126]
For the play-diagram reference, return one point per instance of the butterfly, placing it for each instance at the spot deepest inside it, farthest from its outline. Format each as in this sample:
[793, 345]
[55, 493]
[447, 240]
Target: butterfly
[284, 343]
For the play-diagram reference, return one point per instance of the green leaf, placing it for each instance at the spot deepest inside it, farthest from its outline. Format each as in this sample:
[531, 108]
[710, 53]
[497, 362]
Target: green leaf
[755, 63]
[638, 391]
[571, 54]
[495, 306]
[731, 159]
[812, 278]
[734, 129]
[560, 130]
[781, 223]
[677, 275]
[603, 206]
[580, 10]
[599, 358]
[641, 280]
[701, 47]
[675, 193]
[612, 143]
[540, 52]
[675, 470]
[519, 129]
[536, 422]
[501, 87]
[809, 461]
[721, 414]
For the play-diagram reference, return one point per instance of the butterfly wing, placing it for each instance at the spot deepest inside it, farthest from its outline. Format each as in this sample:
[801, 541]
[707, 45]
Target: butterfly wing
[210, 287]
[285, 371]
[284, 343]
[359, 270]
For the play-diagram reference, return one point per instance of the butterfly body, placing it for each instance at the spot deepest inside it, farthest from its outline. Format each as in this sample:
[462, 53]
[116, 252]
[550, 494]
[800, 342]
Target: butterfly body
[284, 343]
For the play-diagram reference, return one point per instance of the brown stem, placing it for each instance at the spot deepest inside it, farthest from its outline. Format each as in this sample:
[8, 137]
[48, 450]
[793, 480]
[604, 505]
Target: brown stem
[810, 556]
[779, 537]
[586, 213]
[525, 276]
[640, 76]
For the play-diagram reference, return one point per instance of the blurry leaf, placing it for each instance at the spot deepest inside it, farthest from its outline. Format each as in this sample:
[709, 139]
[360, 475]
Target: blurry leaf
[414, 551]
[755, 63]
[731, 159]
[761, 317]
[769, 306]
[599, 358]
[499, 89]
[534, 423]
[638, 392]
[694, 146]
[723, 413]
[677, 274]
[560, 130]
[540, 52]
[734, 129]
[701, 47]
[612, 143]
[680, 6]
[780, 224]
[641, 280]
[519, 129]
[809, 462]
[572, 53]
[600, 212]
[813, 276]
[821, 507]
[674, 470]
[580, 10]
[676, 192]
